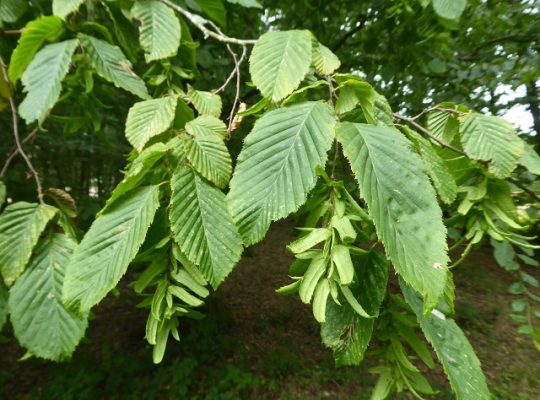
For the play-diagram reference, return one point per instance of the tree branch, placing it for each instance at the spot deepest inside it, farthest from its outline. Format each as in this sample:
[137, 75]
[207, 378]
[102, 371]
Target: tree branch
[461, 152]
[437, 108]
[345, 37]
[16, 134]
[524, 188]
[237, 63]
[331, 95]
[349, 34]
[236, 69]
[201, 23]
[429, 134]
[12, 31]
[534, 106]
[508, 38]
[15, 151]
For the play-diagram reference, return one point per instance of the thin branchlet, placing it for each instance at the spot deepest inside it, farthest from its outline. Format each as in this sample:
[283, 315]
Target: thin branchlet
[438, 108]
[238, 85]
[202, 24]
[461, 152]
[18, 143]
[15, 151]
[236, 68]
[427, 133]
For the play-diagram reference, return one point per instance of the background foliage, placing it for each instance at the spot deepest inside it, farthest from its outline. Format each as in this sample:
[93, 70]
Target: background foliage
[222, 147]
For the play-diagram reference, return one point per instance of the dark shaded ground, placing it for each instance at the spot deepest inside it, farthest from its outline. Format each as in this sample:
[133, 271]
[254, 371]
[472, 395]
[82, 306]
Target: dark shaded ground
[256, 345]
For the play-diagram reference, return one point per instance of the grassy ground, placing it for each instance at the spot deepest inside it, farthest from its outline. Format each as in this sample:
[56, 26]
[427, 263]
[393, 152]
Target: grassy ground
[255, 345]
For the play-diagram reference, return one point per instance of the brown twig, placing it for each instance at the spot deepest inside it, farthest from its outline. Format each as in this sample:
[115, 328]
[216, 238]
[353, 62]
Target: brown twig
[437, 108]
[238, 85]
[463, 255]
[201, 23]
[15, 151]
[331, 94]
[524, 188]
[461, 152]
[236, 68]
[12, 31]
[16, 135]
[429, 134]
[331, 90]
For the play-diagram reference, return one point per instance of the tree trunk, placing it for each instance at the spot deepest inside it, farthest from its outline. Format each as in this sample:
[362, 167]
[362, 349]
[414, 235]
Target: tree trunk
[534, 107]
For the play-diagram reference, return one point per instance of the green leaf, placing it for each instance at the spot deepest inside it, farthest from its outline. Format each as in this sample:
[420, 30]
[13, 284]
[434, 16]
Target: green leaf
[453, 350]
[499, 201]
[371, 272]
[108, 247]
[190, 282]
[206, 103]
[138, 169]
[156, 268]
[518, 306]
[183, 115]
[42, 79]
[310, 240]
[354, 90]
[401, 202]
[3, 305]
[11, 10]
[302, 93]
[3, 193]
[207, 125]
[448, 303]
[209, 156]
[344, 266]
[149, 118]
[449, 9]
[355, 305]
[159, 30]
[531, 280]
[324, 60]
[443, 125]
[345, 332]
[202, 226]
[112, 65]
[276, 167]
[313, 275]
[280, 61]
[437, 170]
[20, 226]
[516, 288]
[320, 297]
[41, 322]
[384, 384]
[416, 344]
[215, 10]
[489, 138]
[63, 8]
[35, 33]
[63, 200]
[530, 159]
[185, 296]
[366, 96]
[345, 229]
[256, 108]
[246, 3]
[124, 30]
[382, 111]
